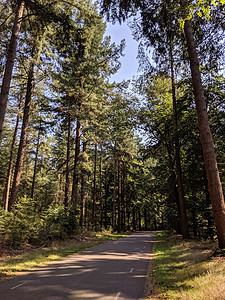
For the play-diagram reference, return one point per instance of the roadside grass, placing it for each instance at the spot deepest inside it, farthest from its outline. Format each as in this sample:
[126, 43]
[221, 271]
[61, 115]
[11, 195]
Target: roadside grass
[11, 265]
[187, 270]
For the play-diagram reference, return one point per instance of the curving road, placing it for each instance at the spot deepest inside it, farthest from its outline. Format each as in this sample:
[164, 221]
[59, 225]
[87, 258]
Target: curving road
[111, 271]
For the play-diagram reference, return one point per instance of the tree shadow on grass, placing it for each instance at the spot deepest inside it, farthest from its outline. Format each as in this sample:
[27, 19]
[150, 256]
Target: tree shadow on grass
[179, 262]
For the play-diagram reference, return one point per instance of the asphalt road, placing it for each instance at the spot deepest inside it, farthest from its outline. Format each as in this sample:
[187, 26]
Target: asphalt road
[111, 271]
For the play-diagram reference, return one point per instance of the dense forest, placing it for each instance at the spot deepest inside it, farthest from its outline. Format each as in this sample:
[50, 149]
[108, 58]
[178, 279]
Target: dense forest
[81, 153]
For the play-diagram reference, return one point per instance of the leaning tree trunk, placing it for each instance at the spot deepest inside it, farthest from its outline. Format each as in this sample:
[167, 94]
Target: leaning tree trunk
[214, 183]
[9, 64]
[9, 172]
[183, 213]
[23, 137]
[76, 162]
[35, 162]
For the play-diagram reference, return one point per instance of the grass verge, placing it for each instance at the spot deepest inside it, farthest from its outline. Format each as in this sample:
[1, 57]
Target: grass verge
[13, 264]
[187, 270]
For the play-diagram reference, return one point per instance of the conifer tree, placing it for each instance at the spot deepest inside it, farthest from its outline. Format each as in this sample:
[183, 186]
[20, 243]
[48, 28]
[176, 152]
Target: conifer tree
[121, 11]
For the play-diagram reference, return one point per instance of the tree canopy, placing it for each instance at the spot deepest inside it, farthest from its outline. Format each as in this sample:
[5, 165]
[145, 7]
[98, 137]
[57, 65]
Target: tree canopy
[81, 153]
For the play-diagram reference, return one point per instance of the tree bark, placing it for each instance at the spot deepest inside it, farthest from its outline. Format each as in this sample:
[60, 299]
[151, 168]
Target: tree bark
[9, 172]
[94, 191]
[106, 197]
[76, 162]
[67, 184]
[101, 192]
[83, 191]
[183, 213]
[114, 196]
[35, 163]
[145, 218]
[214, 183]
[139, 219]
[9, 64]
[23, 137]
[134, 218]
[119, 196]
[124, 199]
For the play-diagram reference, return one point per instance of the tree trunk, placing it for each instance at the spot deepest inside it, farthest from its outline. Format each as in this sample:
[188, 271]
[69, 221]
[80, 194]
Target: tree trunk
[114, 196]
[124, 200]
[145, 218]
[67, 184]
[94, 191]
[139, 219]
[134, 218]
[76, 162]
[35, 163]
[23, 137]
[183, 213]
[9, 172]
[9, 64]
[101, 192]
[106, 197]
[119, 196]
[214, 183]
[83, 192]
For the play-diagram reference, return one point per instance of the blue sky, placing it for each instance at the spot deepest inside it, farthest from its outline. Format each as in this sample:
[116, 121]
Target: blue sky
[129, 62]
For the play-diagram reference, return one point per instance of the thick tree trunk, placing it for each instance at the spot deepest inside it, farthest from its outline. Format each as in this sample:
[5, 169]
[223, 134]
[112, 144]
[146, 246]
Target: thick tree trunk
[35, 163]
[23, 137]
[76, 162]
[183, 213]
[214, 183]
[67, 183]
[9, 172]
[94, 191]
[83, 192]
[9, 64]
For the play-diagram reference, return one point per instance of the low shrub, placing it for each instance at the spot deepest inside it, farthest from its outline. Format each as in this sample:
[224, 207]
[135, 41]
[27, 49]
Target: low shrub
[25, 224]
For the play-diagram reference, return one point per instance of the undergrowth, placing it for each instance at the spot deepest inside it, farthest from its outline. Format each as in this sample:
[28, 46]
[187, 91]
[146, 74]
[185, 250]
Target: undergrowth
[188, 270]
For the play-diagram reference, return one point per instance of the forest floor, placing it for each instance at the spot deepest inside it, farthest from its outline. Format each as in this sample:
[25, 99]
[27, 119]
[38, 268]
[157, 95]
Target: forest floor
[186, 270]
[13, 262]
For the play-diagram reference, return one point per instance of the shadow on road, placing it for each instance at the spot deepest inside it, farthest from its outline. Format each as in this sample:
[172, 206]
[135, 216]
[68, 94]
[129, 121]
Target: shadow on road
[115, 270]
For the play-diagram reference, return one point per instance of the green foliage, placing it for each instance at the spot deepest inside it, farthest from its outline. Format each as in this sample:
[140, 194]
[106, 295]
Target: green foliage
[58, 223]
[26, 224]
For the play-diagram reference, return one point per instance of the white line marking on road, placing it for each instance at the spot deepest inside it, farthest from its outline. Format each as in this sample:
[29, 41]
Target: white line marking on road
[117, 296]
[131, 270]
[19, 285]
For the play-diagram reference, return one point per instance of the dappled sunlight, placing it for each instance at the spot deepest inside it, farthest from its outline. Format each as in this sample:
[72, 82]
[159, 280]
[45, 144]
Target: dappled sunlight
[187, 270]
[103, 272]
